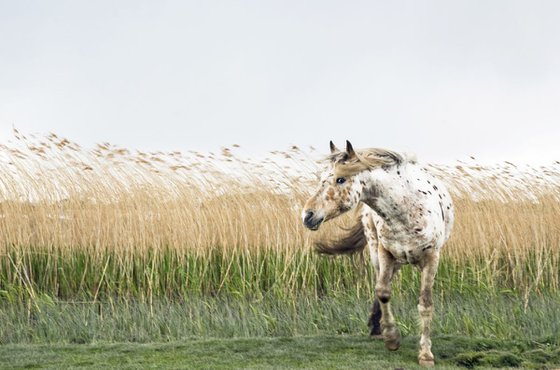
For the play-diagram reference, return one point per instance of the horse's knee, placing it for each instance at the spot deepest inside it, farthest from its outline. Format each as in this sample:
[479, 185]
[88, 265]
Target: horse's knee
[383, 294]
[425, 311]
[426, 298]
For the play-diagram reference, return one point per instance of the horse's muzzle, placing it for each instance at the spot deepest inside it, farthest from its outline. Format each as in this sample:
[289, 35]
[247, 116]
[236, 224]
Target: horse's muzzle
[311, 221]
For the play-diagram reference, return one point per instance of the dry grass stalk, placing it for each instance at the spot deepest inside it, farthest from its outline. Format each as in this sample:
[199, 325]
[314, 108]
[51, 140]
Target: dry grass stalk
[57, 197]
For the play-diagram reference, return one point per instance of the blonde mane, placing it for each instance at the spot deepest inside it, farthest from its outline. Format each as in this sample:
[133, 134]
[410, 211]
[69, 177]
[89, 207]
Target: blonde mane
[366, 159]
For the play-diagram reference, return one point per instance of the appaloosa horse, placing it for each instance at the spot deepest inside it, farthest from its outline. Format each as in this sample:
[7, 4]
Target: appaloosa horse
[406, 217]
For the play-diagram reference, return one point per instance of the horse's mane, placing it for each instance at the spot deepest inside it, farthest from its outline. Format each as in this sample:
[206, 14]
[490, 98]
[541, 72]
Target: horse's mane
[368, 159]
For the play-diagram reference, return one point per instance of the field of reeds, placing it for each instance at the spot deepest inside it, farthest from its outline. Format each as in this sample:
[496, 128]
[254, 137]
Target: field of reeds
[113, 244]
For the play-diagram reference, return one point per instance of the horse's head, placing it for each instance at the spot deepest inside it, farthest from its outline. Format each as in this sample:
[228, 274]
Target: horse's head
[337, 192]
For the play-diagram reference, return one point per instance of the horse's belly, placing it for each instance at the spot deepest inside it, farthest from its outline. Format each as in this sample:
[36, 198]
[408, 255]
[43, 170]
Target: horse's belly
[407, 253]
[406, 256]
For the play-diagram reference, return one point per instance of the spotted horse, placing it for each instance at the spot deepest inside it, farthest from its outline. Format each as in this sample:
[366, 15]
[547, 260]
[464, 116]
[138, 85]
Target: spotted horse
[406, 217]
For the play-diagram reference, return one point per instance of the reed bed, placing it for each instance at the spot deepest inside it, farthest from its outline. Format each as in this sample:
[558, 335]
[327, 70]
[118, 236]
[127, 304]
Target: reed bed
[89, 224]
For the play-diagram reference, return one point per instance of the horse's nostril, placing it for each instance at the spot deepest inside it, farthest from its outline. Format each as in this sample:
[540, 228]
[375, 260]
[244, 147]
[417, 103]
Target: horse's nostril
[311, 221]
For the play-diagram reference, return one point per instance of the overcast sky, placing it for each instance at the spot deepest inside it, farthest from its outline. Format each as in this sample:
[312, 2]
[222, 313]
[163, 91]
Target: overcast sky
[445, 79]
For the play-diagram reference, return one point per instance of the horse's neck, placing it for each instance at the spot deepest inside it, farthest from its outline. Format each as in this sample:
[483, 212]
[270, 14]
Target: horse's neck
[385, 190]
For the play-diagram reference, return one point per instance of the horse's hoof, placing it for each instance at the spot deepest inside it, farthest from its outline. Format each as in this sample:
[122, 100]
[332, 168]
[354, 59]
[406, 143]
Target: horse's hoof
[426, 362]
[393, 345]
[426, 359]
[392, 339]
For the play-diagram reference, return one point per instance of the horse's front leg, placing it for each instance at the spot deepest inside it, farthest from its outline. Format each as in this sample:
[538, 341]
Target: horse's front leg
[425, 308]
[387, 268]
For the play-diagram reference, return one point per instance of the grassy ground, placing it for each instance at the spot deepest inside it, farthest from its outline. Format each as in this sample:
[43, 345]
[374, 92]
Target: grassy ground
[316, 352]
[489, 315]
[268, 311]
[318, 323]
[268, 332]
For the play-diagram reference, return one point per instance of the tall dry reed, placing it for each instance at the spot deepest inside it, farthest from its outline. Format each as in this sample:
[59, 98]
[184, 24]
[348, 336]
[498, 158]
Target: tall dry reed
[57, 198]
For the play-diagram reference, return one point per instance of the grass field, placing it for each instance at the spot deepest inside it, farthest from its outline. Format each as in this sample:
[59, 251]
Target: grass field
[198, 249]
[317, 352]
[490, 315]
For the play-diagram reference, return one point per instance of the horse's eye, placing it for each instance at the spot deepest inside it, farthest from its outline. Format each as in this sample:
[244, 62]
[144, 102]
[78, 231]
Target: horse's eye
[340, 180]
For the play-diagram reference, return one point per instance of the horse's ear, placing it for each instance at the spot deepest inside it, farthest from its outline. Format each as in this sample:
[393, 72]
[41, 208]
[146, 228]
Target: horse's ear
[334, 149]
[350, 150]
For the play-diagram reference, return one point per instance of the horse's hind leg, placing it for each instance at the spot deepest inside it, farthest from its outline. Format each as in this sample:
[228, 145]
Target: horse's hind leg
[425, 309]
[374, 322]
[387, 267]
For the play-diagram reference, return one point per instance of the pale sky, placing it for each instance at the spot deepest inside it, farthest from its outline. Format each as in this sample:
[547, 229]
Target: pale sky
[444, 79]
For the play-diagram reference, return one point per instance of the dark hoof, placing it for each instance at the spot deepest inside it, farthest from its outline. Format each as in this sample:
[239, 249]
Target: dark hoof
[392, 339]
[392, 345]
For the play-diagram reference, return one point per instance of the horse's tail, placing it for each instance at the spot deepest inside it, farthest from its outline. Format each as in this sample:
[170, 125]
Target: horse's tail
[353, 242]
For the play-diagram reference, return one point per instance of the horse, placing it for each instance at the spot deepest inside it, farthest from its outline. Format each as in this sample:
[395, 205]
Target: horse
[406, 217]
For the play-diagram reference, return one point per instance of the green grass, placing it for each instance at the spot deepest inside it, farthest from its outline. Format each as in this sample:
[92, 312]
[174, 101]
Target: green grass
[270, 309]
[493, 316]
[315, 352]
[76, 274]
